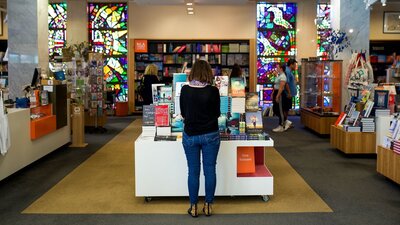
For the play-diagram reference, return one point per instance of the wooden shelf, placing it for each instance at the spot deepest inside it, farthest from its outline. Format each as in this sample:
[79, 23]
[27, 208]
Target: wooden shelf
[318, 123]
[388, 164]
[353, 142]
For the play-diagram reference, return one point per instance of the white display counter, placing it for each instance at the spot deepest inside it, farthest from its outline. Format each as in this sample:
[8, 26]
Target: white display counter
[25, 151]
[161, 170]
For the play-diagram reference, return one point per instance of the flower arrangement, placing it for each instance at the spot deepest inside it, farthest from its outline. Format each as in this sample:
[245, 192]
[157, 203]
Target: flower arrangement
[338, 41]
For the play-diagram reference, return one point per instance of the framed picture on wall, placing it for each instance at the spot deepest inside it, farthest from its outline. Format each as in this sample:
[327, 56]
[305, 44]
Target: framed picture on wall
[391, 22]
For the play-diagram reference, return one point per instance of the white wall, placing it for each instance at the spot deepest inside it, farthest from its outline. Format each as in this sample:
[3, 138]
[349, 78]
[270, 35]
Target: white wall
[377, 21]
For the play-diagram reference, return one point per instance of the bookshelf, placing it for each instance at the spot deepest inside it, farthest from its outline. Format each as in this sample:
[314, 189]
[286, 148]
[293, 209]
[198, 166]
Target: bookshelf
[382, 58]
[170, 56]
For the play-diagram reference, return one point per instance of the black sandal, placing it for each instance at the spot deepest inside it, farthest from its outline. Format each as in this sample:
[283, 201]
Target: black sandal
[207, 209]
[193, 210]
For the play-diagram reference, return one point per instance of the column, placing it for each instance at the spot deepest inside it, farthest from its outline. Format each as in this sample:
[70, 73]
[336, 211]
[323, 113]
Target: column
[352, 17]
[27, 42]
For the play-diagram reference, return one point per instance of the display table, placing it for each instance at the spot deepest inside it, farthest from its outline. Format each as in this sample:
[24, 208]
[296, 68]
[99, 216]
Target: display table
[161, 169]
[388, 164]
[353, 142]
[317, 122]
[24, 150]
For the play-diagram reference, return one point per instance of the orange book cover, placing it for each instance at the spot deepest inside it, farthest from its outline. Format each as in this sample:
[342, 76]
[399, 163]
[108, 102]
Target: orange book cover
[245, 160]
[340, 119]
[140, 45]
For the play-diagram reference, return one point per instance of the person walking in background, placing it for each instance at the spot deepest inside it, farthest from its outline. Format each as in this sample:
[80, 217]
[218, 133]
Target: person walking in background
[278, 96]
[291, 90]
[150, 77]
[200, 109]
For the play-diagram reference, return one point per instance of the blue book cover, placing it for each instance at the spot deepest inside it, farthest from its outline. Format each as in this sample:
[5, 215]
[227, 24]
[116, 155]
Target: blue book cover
[222, 123]
[254, 122]
[177, 124]
[178, 77]
[224, 104]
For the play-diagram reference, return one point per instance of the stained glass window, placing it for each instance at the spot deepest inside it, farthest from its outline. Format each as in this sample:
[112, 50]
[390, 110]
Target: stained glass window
[108, 35]
[323, 29]
[57, 21]
[276, 43]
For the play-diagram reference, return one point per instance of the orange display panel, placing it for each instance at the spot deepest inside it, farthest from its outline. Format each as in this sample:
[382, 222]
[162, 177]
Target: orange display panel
[43, 126]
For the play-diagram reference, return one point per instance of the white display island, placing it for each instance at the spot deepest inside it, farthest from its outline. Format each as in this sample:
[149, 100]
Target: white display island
[161, 170]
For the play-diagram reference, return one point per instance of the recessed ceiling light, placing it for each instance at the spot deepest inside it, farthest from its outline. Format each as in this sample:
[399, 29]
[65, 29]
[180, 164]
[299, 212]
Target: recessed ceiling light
[191, 13]
[190, 8]
[189, 3]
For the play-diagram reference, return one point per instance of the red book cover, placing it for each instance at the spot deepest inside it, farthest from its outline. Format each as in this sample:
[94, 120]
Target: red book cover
[162, 115]
[340, 119]
[183, 47]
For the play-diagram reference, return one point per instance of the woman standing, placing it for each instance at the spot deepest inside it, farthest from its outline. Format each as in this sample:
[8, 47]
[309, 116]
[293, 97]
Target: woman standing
[200, 108]
[149, 78]
[279, 96]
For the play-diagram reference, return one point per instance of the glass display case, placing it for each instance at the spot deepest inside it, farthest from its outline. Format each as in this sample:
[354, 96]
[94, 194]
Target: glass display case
[320, 86]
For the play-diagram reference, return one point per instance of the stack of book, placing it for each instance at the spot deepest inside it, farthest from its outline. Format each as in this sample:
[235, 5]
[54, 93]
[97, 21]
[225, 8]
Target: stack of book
[163, 131]
[368, 125]
[148, 131]
[382, 112]
[351, 128]
[241, 137]
[225, 104]
[396, 147]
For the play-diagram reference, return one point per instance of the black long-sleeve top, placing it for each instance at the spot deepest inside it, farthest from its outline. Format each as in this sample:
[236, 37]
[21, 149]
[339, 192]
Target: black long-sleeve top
[148, 81]
[200, 108]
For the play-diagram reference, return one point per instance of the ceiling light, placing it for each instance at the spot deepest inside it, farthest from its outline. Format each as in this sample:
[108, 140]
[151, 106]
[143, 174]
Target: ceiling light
[351, 31]
[191, 13]
[189, 3]
[190, 8]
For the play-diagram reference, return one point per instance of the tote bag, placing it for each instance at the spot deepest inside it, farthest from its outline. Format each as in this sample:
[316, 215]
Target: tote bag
[5, 140]
[359, 75]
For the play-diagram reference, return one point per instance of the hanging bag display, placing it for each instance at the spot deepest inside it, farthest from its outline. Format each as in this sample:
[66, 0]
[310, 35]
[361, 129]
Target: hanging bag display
[5, 140]
[359, 75]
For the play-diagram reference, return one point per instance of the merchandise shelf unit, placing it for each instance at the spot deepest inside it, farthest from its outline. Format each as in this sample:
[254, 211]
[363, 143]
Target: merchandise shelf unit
[320, 94]
[170, 56]
[381, 58]
[353, 142]
[388, 164]
[151, 157]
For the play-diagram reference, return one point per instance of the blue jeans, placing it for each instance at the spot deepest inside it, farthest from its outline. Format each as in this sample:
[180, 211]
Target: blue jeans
[208, 144]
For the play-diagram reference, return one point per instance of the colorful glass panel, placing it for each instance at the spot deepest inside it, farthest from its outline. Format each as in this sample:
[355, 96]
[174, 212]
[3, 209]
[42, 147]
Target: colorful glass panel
[276, 43]
[276, 16]
[109, 42]
[108, 16]
[57, 15]
[115, 70]
[57, 21]
[108, 35]
[323, 29]
[121, 91]
[56, 41]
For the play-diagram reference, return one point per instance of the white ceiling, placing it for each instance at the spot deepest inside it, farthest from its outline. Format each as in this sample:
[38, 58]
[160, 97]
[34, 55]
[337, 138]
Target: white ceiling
[200, 2]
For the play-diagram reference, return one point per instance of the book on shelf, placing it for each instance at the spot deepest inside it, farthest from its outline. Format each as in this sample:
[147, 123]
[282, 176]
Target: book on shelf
[354, 118]
[340, 119]
[222, 120]
[367, 108]
[224, 104]
[233, 123]
[165, 94]
[238, 105]
[251, 101]
[155, 90]
[148, 115]
[381, 99]
[225, 71]
[230, 60]
[254, 122]
[237, 87]
[222, 83]
[244, 47]
[162, 115]
[225, 48]
[233, 47]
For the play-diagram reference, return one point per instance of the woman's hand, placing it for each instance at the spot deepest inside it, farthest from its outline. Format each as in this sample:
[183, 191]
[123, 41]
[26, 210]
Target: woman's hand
[278, 98]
